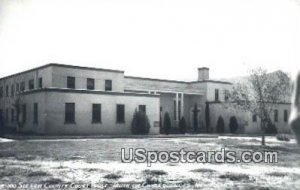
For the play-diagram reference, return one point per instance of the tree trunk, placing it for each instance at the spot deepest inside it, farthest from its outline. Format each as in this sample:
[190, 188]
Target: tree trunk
[263, 141]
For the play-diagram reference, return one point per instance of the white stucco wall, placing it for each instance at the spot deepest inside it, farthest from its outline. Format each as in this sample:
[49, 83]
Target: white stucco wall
[60, 75]
[83, 113]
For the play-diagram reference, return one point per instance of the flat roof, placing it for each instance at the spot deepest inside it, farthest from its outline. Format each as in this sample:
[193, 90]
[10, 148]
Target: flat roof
[176, 81]
[62, 65]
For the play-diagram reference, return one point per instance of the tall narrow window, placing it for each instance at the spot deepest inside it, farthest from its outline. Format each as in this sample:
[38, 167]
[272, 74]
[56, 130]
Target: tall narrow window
[96, 116]
[12, 90]
[40, 82]
[285, 115]
[175, 109]
[70, 113]
[254, 118]
[35, 113]
[6, 115]
[108, 85]
[142, 108]
[22, 87]
[7, 90]
[71, 82]
[216, 95]
[12, 116]
[120, 113]
[17, 87]
[1, 116]
[31, 84]
[1, 91]
[90, 84]
[275, 115]
[226, 95]
[24, 113]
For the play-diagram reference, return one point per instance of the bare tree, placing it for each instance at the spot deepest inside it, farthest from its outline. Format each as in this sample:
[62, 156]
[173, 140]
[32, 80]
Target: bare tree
[260, 94]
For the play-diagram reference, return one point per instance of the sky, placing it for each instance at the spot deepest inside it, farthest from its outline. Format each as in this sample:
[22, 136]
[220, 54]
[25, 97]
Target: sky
[166, 39]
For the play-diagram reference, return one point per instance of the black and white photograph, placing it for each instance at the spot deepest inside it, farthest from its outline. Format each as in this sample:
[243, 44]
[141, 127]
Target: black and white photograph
[149, 94]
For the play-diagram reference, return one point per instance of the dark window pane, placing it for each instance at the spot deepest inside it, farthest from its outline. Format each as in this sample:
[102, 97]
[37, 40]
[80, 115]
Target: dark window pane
[7, 90]
[17, 87]
[254, 118]
[285, 116]
[175, 109]
[40, 82]
[12, 90]
[142, 108]
[90, 84]
[1, 117]
[12, 116]
[96, 113]
[35, 113]
[1, 92]
[275, 115]
[24, 113]
[31, 84]
[71, 82]
[6, 116]
[70, 113]
[22, 87]
[120, 113]
[216, 94]
[226, 95]
[108, 85]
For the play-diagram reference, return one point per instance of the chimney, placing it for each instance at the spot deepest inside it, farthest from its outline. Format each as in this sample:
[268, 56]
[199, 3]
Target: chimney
[203, 73]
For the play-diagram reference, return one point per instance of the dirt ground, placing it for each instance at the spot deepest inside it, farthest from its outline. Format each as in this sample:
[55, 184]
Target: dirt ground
[96, 164]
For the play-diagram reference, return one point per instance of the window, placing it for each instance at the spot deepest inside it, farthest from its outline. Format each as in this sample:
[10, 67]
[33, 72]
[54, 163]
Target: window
[31, 84]
[12, 116]
[35, 113]
[142, 108]
[17, 87]
[179, 109]
[22, 87]
[40, 82]
[6, 116]
[1, 116]
[70, 113]
[12, 90]
[226, 95]
[285, 115]
[24, 113]
[216, 95]
[96, 116]
[71, 82]
[1, 91]
[120, 113]
[90, 84]
[108, 85]
[7, 90]
[275, 115]
[254, 118]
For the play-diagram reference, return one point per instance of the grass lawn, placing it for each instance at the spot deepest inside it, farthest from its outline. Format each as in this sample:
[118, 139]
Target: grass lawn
[98, 162]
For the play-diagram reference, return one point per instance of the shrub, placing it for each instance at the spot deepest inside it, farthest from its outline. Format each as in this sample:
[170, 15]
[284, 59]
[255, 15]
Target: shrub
[220, 125]
[167, 123]
[282, 137]
[233, 124]
[207, 117]
[140, 123]
[271, 128]
[182, 126]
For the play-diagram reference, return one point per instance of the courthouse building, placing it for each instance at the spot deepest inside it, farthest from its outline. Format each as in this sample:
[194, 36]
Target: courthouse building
[57, 99]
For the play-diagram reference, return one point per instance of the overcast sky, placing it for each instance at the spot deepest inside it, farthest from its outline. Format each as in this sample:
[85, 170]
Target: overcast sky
[152, 38]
